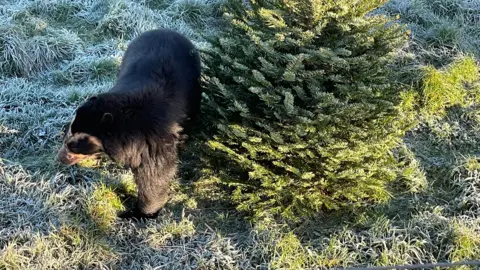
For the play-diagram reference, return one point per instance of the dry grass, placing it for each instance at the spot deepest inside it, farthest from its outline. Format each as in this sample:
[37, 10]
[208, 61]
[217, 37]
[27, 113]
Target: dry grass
[55, 53]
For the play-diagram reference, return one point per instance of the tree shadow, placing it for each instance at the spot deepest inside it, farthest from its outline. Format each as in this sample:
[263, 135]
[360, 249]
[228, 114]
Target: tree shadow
[217, 226]
[417, 225]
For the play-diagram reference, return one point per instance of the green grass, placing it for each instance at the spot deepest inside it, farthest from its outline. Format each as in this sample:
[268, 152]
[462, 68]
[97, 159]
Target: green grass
[54, 54]
[103, 204]
[445, 89]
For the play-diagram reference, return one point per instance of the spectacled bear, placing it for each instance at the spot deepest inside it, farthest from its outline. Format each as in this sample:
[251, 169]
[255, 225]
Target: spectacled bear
[141, 120]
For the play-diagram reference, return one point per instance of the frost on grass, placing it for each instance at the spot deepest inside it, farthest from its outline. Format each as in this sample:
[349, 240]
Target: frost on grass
[467, 180]
[53, 217]
[38, 112]
[440, 28]
[37, 35]
[128, 19]
[23, 207]
[21, 55]
[34, 233]
[86, 68]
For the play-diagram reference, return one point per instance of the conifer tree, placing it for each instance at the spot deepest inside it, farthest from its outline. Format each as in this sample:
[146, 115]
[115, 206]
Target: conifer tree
[306, 115]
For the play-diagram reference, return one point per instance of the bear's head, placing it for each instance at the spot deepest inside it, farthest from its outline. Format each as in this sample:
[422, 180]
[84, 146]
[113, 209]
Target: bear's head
[83, 138]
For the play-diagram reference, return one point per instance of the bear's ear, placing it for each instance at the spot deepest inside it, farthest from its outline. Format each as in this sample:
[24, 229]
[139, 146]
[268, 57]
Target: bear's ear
[92, 98]
[107, 118]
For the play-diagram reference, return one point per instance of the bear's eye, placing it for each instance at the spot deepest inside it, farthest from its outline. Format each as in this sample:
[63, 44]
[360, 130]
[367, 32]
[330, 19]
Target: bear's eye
[83, 146]
[73, 146]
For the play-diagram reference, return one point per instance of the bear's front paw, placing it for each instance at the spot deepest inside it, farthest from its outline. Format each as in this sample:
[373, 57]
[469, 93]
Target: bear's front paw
[137, 214]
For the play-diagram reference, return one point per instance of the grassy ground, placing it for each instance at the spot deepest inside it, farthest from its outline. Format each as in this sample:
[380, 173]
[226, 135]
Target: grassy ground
[55, 53]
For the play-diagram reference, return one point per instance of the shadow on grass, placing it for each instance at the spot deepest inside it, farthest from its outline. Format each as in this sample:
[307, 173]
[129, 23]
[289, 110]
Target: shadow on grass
[419, 227]
[198, 228]
[206, 234]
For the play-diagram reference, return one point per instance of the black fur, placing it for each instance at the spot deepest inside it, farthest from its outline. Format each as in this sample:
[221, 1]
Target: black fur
[157, 91]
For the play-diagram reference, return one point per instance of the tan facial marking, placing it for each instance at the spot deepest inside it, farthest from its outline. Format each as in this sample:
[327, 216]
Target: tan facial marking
[66, 157]
[96, 141]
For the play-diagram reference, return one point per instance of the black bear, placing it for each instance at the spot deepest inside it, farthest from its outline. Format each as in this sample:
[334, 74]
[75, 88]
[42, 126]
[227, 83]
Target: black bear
[141, 120]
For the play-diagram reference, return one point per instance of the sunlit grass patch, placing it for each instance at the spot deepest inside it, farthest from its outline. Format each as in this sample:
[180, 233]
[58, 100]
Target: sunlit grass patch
[172, 230]
[102, 206]
[289, 253]
[127, 185]
[184, 199]
[89, 163]
[466, 241]
[446, 88]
